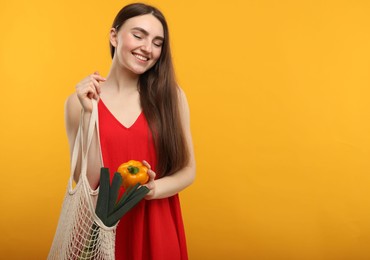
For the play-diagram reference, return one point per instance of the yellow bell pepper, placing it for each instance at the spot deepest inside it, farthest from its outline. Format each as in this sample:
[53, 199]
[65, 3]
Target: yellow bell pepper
[133, 172]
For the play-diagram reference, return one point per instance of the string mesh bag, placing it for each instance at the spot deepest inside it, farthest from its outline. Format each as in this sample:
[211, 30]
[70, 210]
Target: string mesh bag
[80, 232]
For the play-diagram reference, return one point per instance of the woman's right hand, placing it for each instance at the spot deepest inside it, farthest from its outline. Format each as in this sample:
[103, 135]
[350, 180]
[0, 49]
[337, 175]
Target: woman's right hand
[89, 88]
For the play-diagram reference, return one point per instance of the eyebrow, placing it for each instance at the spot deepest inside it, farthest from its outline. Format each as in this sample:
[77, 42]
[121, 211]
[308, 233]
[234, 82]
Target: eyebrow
[147, 33]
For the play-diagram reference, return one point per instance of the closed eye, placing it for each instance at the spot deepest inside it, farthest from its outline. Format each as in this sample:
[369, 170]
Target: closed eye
[157, 44]
[136, 36]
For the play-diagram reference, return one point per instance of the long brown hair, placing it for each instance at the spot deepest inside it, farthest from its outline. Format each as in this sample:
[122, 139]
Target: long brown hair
[159, 98]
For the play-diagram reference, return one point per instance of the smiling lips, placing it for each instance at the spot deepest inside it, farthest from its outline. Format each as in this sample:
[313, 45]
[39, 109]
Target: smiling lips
[140, 57]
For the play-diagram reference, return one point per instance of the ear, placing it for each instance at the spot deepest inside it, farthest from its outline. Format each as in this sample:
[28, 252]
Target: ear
[113, 37]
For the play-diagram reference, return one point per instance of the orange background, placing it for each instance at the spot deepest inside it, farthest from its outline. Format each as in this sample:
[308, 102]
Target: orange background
[279, 99]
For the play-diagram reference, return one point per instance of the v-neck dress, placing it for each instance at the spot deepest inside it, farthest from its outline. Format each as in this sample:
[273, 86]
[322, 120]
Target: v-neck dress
[152, 230]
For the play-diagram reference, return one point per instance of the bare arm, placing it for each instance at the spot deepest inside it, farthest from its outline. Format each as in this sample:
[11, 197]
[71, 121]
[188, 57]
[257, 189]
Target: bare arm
[73, 108]
[171, 185]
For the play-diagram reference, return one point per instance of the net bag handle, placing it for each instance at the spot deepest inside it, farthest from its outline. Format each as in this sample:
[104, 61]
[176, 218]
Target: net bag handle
[79, 142]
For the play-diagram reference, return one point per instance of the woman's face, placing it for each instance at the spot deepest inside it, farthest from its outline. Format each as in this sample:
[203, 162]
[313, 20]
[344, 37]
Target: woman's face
[138, 43]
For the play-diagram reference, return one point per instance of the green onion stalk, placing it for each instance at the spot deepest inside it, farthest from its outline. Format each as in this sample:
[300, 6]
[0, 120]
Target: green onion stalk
[109, 209]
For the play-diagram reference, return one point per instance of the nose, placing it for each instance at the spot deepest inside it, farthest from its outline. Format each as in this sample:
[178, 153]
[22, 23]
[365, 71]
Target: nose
[147, 46]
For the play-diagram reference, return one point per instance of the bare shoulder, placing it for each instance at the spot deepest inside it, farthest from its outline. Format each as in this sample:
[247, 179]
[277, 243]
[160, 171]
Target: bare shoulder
[72, 106]
[183, 106]
[72, 101]
[183, 102]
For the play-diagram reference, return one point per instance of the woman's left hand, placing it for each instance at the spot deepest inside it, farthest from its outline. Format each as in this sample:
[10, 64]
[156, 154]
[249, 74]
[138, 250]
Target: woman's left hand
[151, 183]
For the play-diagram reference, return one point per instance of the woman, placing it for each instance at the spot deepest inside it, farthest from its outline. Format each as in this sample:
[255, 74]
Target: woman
[143, 115]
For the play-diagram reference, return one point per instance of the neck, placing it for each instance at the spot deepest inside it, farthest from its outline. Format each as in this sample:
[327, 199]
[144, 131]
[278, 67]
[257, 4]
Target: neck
[121, 79]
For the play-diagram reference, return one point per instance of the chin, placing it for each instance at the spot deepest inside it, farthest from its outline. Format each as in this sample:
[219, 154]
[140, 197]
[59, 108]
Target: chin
[140, 71]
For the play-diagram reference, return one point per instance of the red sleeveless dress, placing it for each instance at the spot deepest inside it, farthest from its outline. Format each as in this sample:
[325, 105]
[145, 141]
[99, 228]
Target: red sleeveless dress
[153, 229]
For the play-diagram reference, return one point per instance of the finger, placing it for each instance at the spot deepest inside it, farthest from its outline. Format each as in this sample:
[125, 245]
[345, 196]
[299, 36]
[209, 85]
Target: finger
[85, 90]
[151, 174]
[146, 164]
[90, 91]
[150, 184]
[94, 89]
[90, 95]
[98, 77]
[97, 86]
[150, 195]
